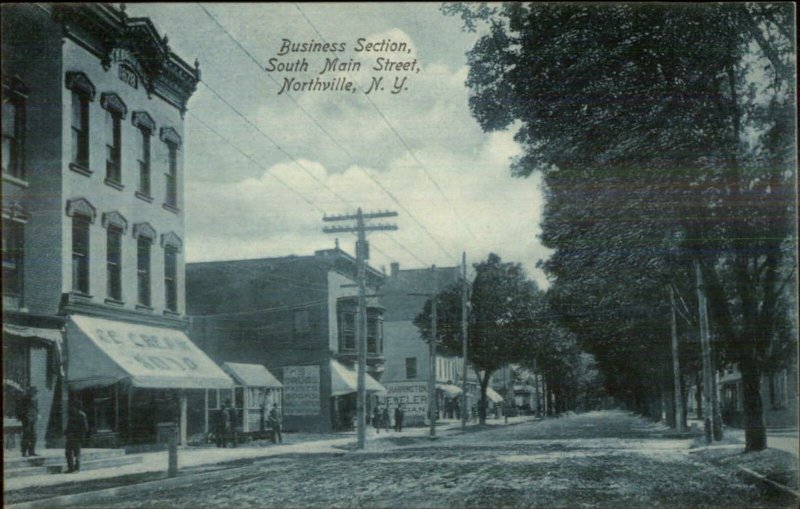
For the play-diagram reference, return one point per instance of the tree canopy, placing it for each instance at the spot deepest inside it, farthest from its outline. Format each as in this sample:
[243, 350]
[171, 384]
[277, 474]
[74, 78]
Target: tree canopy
[665, 135]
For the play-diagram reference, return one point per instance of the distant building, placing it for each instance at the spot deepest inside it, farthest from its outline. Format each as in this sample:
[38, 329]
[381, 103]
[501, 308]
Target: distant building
[778, 395]
[408, 366]
[93, 221]
[296, 315]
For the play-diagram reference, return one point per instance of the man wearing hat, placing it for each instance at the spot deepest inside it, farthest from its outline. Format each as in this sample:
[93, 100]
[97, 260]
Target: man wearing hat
[28, 413]
[77, 429]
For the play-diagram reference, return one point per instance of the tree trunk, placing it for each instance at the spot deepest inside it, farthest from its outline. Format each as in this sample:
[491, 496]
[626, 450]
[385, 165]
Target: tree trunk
[684, 403]
[755, 430]
[698, 394]
[668, 399]
[482, 403]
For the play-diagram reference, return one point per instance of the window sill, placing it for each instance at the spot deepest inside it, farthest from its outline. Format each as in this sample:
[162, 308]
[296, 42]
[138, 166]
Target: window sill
[7, 177]
[81, 296]
[171, 208]
[79, 168]
[143, 307]
[113, 183]
[144, 197]
[169, 312]
[114, 302]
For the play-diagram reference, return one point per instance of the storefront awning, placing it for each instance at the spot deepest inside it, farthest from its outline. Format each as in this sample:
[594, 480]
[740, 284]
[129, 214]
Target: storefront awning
[251, 375]
[102, 352]
[52, 335]
[493, 396]
[450, 390]
[345, 381]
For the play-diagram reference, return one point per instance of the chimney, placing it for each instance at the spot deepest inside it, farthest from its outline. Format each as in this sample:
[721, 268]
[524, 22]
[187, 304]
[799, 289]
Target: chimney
[395, 269]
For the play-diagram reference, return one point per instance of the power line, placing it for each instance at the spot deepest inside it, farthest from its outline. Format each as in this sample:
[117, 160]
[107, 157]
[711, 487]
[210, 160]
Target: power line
[329, 135]
[397, 135]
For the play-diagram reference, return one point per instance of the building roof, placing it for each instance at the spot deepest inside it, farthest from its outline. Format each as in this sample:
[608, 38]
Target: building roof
[251, 375]
[400, 306]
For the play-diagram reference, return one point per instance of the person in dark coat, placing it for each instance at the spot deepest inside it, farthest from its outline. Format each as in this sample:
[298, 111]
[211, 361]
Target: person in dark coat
[385, 417]
[376, 419]
[75, 434]
[28, 414]
[275, 422]
[221, 425]
[398, 417]
[232, 419]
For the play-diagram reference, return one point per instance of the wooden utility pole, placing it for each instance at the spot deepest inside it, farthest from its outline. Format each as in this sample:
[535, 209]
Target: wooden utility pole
[712, 417]
[434, 297]
[464, 332]
[362, 254]
[676, 367]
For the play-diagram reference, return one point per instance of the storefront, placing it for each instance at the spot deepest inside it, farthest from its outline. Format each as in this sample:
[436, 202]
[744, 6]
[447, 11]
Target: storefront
[134, 380]
[448, 402]
[254, 394]
[344, 392]
[31, 359]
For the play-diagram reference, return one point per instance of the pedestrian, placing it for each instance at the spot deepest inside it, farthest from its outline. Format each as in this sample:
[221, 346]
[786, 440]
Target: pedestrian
[376, 419]
[275, 421]
[76, 432]
[385, 417]
[222, 425]
[398, 417]
[28, 414]
[232, 423]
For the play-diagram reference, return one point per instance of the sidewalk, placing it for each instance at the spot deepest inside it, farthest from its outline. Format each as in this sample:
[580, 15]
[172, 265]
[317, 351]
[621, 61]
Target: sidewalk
[295, 443]
[782, 440]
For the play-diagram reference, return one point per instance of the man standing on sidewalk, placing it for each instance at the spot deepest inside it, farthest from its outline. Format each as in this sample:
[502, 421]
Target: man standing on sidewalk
[77, 428]
[28, 413]
[275, 421]
[398, 417]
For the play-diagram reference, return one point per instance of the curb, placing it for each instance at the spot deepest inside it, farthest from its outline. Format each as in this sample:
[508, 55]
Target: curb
[762, 478]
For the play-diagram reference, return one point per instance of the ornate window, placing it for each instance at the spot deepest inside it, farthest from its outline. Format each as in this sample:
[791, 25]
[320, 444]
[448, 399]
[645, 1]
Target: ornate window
[83, 215]
[115, 224]
[13, 255]
[13, 150]
[172, 245]
[83, 92]
[145, 235]
[347, 331]
[146, 126]
[374, 332]
[172, 141]
[115, 113]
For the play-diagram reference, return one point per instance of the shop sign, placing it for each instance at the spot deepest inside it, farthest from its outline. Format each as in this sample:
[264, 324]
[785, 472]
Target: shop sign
[301, 390]
[151, 351]
[413, 396]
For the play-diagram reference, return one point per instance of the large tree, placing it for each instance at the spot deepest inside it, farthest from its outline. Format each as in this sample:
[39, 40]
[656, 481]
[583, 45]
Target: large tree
[501, 301]
[665, 134]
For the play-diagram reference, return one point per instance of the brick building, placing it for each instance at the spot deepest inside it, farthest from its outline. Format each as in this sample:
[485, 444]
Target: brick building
[93, 221]
[296, 315]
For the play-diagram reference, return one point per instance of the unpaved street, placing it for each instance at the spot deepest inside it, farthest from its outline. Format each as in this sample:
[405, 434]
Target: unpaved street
[600, 459]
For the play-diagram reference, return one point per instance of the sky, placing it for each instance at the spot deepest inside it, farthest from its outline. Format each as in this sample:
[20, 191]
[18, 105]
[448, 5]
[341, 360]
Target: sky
[291, 157]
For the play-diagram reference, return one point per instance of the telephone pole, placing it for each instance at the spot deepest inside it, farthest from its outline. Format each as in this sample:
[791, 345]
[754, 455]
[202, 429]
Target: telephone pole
[713, 421]
[362, 254]
[434, 297]
[464, 332]
[676, 367]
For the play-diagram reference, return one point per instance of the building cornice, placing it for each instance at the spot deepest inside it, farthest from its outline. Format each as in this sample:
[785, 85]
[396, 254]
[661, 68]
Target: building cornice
[114, 37]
